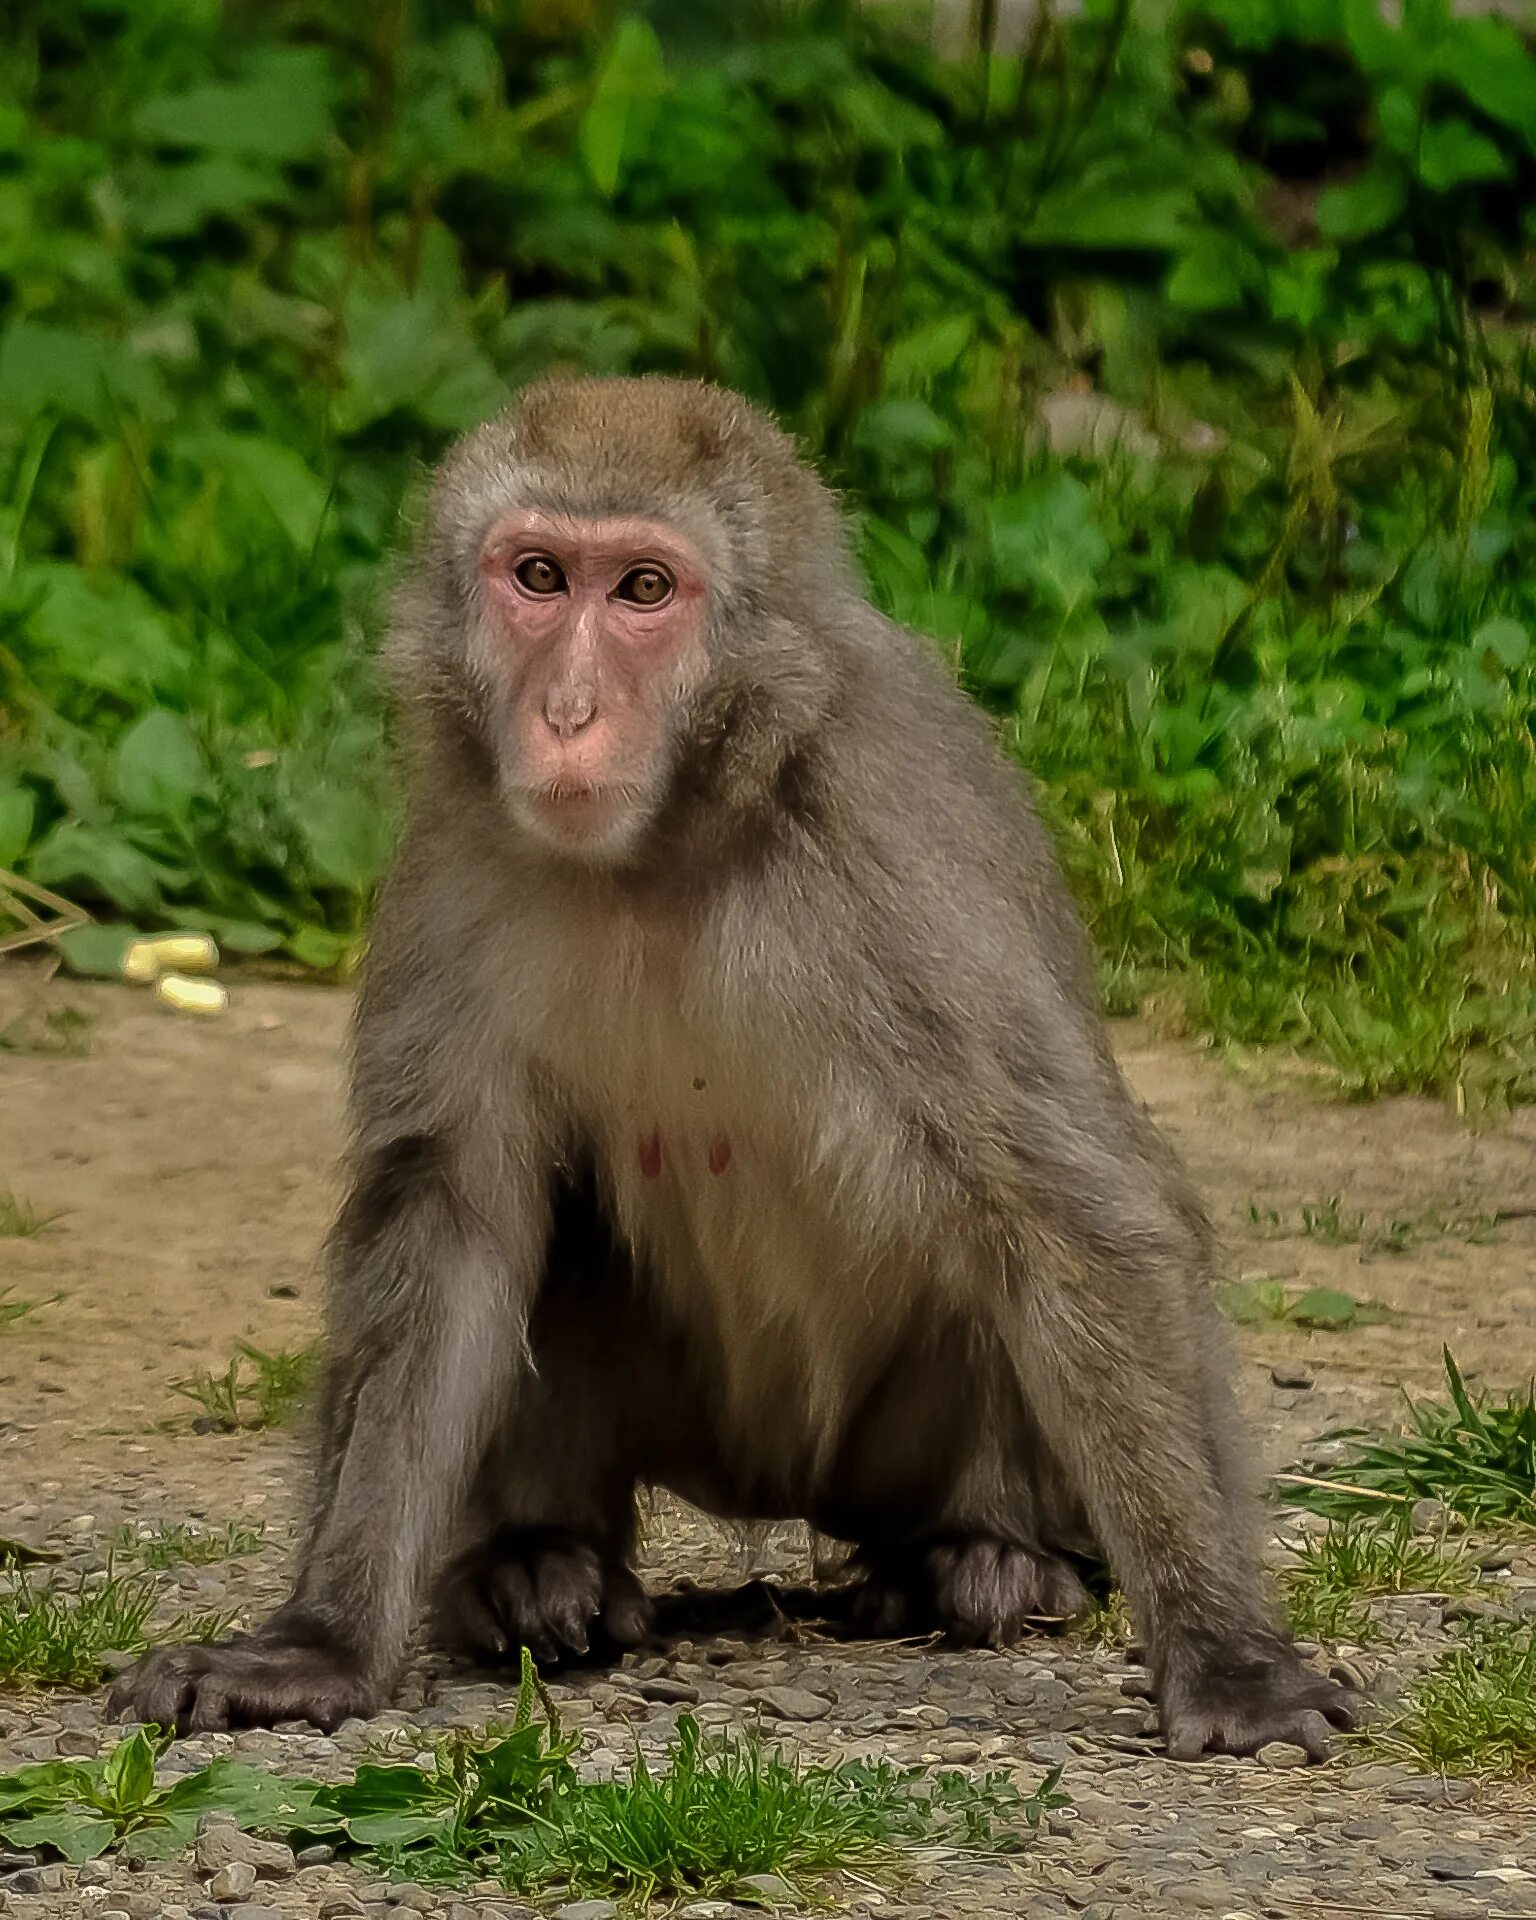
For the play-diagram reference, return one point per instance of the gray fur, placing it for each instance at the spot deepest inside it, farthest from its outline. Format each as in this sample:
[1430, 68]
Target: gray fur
[950, 1298]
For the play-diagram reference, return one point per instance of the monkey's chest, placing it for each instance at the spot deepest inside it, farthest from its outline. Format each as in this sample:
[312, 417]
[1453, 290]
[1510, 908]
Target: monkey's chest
[761, 1198]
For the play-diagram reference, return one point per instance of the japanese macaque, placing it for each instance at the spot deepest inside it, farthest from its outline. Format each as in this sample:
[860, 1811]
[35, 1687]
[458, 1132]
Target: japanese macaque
[732, 1114]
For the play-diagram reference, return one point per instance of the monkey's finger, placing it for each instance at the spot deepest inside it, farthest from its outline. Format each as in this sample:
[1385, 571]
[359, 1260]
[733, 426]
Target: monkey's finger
[211, 1700]
[1312, 1733]
[1344, 1709]
[157, 1692]
[1185, 1741]
[476, 1623]
[626, 1615]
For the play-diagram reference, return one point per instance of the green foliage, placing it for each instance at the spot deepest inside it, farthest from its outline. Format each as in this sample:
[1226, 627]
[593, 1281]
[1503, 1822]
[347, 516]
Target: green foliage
[19, 1220]
[1265, 1303]
[1174, 370]
[1476, 1456]
[180, 1545]
[1475, 1709]
[257, 1389]
[511, 1806]
[55, 1632]
[13, 1309]
[1332, 1574]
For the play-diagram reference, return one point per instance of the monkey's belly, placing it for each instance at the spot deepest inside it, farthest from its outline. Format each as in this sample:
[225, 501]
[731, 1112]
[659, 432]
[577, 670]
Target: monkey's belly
[787, 1313]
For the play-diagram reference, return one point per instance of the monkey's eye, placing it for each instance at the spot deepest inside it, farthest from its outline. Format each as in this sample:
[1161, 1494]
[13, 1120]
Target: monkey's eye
[645, 586]
[539, 574]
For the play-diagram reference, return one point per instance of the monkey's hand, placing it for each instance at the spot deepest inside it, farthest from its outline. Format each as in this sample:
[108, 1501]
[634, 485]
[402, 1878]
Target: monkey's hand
[250, 1680]
[1239, 1702]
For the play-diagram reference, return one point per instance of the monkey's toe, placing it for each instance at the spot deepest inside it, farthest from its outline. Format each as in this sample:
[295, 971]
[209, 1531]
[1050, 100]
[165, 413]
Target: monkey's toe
[980, 1592]
[1241, 1705]
[540, 1588]
[243, 1682]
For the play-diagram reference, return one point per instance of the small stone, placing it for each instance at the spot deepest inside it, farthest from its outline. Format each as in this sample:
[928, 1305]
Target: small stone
[224, 1846]
[1281, 1754]
[708, 1910]
[1432, 1791]
[319, 1855]
[1294, 1378]
[340, 1906]
[587, 1910]
[214, 1817]
[12, 1861]
[252, 1910]
[1428, 1516]
[792, 1703]
[24, 1880]
[233, 1882]
[114, 1663]
[668, 1691]
[411, 1898]
[94, 1873]
[767, 1886]
[1453, 1866]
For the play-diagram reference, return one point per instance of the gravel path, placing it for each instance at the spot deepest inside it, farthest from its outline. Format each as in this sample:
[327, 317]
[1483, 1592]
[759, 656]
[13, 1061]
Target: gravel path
[191, 1166]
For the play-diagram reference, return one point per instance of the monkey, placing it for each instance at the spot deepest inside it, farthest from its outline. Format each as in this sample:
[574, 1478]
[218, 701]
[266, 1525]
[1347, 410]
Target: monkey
[732, 1113]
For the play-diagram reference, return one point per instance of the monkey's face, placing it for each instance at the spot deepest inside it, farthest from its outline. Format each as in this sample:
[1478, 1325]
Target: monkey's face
[591, 638]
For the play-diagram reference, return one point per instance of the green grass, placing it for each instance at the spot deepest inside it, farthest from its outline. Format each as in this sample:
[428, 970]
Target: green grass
[19, 1220]
[1328, 1220]
[1260, 1301]
[182, 1545]
[63, 1031]
[1331, 1575]
[257, 1389]
[54, 1630]
[13, 1309]
[1474, 1711]
[1473, 1453]
[509, 1805]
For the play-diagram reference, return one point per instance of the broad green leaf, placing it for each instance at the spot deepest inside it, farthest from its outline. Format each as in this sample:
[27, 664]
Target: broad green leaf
[347, 837]
[1327, 1308]
[17, 810]
[129, 1773]
[1494, 66]
[97, 951]
[1044, 536]
[397, 1829]
[1364, 206]
[102, 863]
[77, 1836]
[280, 111]
[1506, 639]
[159, 767]
[274, 476]
[178, 200]
[318, 947]
[1451, 153]
[629, 82]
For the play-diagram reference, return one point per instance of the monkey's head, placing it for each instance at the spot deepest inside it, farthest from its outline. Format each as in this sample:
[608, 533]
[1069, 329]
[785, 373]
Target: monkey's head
[631, 589]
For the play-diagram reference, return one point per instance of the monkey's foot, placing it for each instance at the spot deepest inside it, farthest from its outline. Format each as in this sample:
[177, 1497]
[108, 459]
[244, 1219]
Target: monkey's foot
[981, 1592]
[247, 1681]
[1237, 1704]
[540, 1588]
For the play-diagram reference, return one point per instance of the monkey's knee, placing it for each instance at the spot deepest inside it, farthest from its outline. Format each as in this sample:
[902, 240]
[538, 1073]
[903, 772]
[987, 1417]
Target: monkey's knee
[543, 1588]
[979, 1592]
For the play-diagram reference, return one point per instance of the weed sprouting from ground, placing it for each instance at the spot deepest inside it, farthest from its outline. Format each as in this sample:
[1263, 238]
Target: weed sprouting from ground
[19, 1220]
[13, 1309]
[1331, 1575]
[257, 1389]
[1474, 1711]
[181, 1545]
[1260, 1301]
[1329, 1221]
[509, 1805]
[54, 1630]
[65, 1031]
[1474, 1454]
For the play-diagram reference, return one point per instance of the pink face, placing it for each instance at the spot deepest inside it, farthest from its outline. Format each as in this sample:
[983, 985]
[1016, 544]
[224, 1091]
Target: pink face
[593, 631]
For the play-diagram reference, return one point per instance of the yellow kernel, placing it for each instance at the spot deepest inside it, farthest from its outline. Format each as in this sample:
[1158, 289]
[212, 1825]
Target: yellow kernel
[192, 952]
[190, 996]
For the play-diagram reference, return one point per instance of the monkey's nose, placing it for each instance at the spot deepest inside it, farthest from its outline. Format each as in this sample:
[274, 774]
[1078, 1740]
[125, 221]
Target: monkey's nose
[567, 712]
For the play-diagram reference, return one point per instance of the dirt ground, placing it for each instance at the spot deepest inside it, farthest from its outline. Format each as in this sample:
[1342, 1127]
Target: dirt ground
[187, 1165]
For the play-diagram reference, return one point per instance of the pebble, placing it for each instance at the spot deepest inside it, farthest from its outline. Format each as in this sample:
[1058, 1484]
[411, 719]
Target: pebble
[1294, 1378]
[1279, 1755]
[223, 1846]
[587, 1910]
[233, 1882]
[767, 1886]
[668, 1691]
[792, 1703]
[1447, 1866]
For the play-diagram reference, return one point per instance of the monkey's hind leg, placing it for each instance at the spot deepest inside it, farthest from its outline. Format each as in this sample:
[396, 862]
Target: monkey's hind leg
[543, 1558]
[964, 1521]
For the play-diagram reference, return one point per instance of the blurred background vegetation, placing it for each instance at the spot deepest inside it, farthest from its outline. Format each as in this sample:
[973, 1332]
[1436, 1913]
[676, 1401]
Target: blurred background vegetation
[1176, 370]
